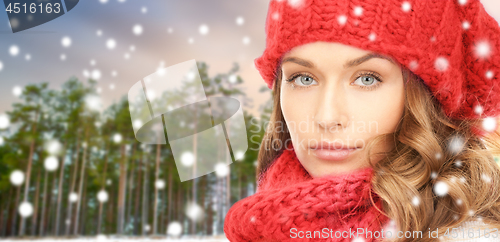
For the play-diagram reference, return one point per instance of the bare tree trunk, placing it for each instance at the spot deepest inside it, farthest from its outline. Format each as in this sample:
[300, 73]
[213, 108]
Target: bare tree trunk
[132, 186]
[50, 223]
[60, 191]
[35, 211]
[81, 230]
[14, 211]
[170, 190]
[44, 203]
[7, 211]
[137, 196]
[69, 216]
[28, 172]
[122, 191]
[80, 189]
[157, 177]
[103, 186]
[145, 193]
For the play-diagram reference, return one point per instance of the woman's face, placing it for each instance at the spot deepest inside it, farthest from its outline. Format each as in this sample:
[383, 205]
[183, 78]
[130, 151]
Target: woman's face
[341, 95]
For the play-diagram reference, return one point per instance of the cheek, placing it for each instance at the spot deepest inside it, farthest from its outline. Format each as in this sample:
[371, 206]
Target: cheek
[295, 111]
[383, 113]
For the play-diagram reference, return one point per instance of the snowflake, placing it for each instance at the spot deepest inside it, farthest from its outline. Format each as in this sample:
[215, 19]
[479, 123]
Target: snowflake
[462, 2]
[358, 11]
[489, 124]
[406, 6]
[137, 29]
[276, 16]
[441, 188]
[111, 44]
[413, 65]
[441, 64]
[486, 178]
[478, 109]
[483, 49]
[203, 29]
[490, 74]
[465, 25]
[240, 21]
[415, 201]
[66, 41]
[14, 50]
[372, 37]
[296, 3]
[342, 19]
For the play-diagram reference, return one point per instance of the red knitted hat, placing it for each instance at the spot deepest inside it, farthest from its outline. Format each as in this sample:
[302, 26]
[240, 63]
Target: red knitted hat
[452, 45]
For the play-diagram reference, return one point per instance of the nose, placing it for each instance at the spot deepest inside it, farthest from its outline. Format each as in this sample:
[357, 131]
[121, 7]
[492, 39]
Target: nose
[331, 108]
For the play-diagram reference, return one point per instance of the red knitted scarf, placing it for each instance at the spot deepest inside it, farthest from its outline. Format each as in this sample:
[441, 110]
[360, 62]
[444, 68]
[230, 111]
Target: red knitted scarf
[290, 205]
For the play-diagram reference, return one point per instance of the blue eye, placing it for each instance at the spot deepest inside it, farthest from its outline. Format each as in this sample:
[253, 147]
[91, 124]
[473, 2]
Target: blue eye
[301, 80]
[368, 81]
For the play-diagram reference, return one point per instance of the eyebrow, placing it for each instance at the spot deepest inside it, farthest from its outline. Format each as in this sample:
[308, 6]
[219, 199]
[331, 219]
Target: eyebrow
[348, 64]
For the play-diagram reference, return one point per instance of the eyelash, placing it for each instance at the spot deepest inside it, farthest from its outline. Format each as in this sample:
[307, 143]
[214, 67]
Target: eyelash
[368, 73]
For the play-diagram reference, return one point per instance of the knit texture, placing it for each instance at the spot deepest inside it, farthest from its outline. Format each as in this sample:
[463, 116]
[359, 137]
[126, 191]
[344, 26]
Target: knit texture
[452, 45]
[289, 200]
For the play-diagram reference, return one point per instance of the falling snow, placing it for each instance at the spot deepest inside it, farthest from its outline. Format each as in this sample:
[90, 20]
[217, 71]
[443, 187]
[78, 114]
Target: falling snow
[358, 11]
[415, 201]
[102, 196]
[489, 124]
[66, 41]
[137, 29]
[25, 209]
[111, 44]
[194, 211]
[478, 109]
[456, 144]
[160, 184]
[433, 175]
[14, 50]
[483, 49]
[4, 121]
[441, 188]
[16, 177]
[117, 138]
[342, 19]
[413, 65]
[73, 197]
[221, 169]
[187, 159]
[51, 163]
[406, 6]
[490, 74]
[174, 228]
[203, 29]
[246, 40]
[441, 64]
[465, 25]
[296, 3]
[372, 37]
[240, 20]
[17, 91]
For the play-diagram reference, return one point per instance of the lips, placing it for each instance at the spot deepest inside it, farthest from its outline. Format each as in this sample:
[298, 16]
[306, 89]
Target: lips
[332, 146]
[332, 151]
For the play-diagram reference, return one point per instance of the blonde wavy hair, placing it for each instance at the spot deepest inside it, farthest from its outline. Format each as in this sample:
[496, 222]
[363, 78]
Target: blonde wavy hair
[424, 154]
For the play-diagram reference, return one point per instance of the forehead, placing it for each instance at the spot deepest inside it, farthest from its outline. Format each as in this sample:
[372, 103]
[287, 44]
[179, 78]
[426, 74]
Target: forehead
[321, 53]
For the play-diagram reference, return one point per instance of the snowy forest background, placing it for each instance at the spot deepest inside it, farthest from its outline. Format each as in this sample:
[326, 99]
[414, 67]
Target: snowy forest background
[68, 169]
